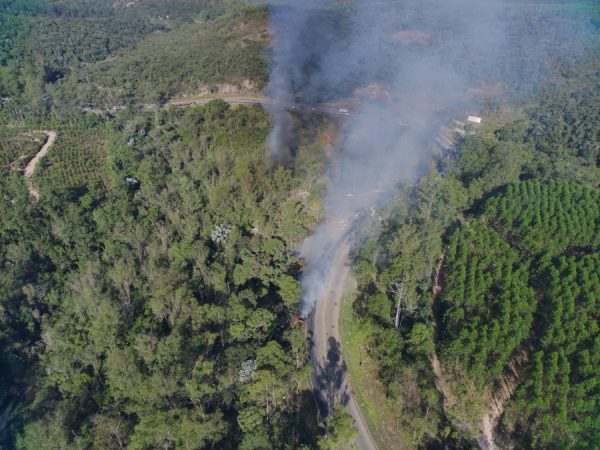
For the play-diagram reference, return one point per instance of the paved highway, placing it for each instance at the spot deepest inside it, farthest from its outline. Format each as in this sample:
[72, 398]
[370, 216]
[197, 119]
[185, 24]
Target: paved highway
[330, 379]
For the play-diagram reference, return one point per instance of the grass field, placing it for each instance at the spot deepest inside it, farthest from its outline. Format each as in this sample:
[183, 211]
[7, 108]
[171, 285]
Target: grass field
[75, 160]
[362, 370]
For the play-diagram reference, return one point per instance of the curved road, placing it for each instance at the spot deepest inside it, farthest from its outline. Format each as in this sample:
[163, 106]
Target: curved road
[30, 168]
[329, 379]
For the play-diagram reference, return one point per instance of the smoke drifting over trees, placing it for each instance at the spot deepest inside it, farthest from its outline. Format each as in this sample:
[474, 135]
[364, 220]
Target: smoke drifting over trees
[416, 62]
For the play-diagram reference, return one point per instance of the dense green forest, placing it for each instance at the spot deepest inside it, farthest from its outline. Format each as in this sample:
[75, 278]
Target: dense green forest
[194, 59]
[149, 298]
[65, 54]
[496, 251]
[524, 277]
[148, 303]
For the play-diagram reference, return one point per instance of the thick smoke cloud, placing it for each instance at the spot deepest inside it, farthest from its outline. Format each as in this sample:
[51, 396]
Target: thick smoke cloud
[417, 62]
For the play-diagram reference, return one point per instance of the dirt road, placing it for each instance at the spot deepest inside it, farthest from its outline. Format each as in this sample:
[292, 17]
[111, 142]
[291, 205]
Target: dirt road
[329, 110]
[248, 100]
[29, 170]
[264, 101]
[330, 379]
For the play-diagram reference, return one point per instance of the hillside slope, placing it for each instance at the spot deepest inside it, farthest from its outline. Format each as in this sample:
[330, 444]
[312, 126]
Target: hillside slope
[512, 322]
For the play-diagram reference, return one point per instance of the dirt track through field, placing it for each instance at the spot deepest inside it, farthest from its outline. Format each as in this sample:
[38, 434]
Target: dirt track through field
[30, 169]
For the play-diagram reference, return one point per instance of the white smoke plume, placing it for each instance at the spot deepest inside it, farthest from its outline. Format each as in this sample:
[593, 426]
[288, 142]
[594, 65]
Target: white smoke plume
[415, 62]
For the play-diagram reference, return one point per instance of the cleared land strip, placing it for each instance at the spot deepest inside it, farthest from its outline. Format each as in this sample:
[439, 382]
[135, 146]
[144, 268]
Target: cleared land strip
[30, 169]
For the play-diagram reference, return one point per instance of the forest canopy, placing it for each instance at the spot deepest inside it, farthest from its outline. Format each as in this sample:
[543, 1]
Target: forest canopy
[65, 54]
[496, 252]
[157, 291]
[149, 299]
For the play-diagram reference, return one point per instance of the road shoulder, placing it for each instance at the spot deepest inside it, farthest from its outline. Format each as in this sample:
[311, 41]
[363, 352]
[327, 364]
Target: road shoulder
[367, 391]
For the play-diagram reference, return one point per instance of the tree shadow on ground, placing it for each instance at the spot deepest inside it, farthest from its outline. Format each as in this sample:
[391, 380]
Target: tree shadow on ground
[331, 386]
